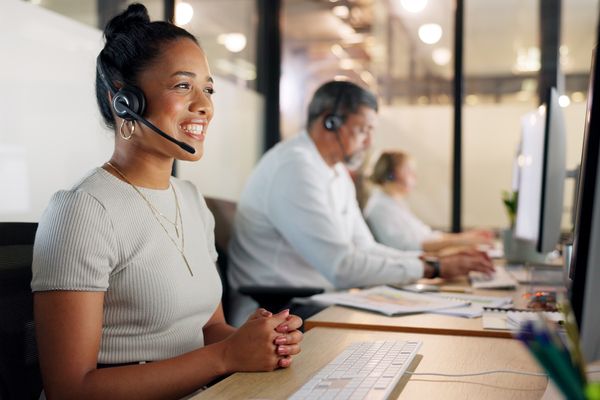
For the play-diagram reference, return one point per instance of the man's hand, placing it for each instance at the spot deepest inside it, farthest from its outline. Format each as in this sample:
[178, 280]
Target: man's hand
[457, 264]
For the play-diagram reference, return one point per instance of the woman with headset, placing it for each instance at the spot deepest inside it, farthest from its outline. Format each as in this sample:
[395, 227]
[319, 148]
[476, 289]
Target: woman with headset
[392, 222]
[127, 295]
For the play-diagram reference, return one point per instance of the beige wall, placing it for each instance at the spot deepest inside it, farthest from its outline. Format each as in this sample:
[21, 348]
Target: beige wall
[52, 132]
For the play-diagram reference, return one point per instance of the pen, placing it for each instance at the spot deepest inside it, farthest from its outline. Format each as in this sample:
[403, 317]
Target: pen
[557, 359]
[455, 289]
[527, 336]
[573, 339]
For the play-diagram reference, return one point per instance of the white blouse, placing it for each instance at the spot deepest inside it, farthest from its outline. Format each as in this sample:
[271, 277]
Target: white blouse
[394, 224]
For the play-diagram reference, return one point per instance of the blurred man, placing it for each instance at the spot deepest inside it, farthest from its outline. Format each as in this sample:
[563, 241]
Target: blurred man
[298, 222]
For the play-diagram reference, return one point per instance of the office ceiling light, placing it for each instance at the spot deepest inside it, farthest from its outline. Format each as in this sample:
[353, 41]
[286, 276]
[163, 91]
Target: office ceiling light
[413, 6]
[430, 33]
[577, 97]
[183, 13]
[234, 42]
[541, 111]
[564, 101]
[441, 56]
[524, 161]
[341, 11]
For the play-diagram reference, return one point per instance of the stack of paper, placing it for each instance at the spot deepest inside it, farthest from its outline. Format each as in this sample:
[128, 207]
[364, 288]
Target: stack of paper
[389, 301]
[476, 304]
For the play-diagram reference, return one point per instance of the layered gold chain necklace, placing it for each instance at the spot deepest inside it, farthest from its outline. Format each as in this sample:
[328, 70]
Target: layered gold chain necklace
[157, 215]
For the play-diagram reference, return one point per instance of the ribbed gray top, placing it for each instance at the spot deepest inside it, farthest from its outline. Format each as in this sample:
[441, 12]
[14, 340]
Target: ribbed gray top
[102, 236]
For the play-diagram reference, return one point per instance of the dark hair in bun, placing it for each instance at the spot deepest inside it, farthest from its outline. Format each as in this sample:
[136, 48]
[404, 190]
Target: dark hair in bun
[132, 43]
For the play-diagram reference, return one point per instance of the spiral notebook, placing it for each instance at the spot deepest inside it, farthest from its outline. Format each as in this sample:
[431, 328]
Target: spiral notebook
[509, 319]
[388, 301]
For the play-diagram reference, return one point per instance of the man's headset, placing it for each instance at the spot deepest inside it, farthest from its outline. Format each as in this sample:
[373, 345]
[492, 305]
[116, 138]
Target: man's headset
[333, 121]
[129, 103]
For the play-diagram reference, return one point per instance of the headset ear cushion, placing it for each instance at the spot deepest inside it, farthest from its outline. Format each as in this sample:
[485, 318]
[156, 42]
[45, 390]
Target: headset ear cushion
[129, 98]
[332, 122]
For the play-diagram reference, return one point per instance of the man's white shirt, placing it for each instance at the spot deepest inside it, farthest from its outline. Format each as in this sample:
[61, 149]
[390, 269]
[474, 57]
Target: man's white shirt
[298, 224]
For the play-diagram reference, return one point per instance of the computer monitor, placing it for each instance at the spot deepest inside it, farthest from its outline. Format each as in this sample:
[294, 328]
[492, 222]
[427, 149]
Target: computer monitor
[542, 175]
[585, 261]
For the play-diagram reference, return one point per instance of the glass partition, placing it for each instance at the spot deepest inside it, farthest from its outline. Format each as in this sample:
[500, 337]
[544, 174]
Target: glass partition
[399, 51]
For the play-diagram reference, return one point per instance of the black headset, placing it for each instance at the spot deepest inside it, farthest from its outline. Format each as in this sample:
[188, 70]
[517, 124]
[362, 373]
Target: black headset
[129, 103]
[332, 122]
[390, 169]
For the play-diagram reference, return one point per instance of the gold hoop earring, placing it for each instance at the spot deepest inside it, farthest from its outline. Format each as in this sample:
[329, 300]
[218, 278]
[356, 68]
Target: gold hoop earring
[131, 130]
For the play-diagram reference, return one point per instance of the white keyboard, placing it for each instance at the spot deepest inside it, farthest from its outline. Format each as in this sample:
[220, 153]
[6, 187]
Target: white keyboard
[364, 370]
[500, 279]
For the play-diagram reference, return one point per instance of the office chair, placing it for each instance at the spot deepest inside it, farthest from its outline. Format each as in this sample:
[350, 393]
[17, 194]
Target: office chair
[19, 369]
[272, 298]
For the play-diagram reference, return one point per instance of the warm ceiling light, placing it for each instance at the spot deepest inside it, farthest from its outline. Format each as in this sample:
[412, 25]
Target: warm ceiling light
[341, 11]
[413, 6]
[430, 33]
[234, 42]
[338, 51]
[183, 13]
[368, 77]
[347, 64]
[441, 56]
[577, 97]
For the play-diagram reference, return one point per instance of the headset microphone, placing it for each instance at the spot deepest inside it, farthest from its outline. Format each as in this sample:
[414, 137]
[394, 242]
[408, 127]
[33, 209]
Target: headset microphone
[129, 103]
[150, 125]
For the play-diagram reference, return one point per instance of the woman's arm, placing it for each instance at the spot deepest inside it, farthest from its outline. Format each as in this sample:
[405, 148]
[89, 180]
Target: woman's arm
[464, 239]
[68, 330]
[216, 329]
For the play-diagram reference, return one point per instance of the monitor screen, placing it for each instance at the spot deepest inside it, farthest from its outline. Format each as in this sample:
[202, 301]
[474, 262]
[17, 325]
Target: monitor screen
[585, 262]
[542, 176]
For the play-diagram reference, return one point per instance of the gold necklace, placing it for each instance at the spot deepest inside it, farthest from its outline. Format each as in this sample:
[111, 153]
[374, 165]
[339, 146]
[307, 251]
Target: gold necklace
[156, 214]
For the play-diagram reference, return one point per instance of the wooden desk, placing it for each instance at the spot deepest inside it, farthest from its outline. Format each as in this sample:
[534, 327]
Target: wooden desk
[446, 354]
[349, 318]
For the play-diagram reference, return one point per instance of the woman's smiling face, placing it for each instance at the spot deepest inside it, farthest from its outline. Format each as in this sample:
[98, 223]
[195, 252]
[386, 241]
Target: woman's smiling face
[178, 89]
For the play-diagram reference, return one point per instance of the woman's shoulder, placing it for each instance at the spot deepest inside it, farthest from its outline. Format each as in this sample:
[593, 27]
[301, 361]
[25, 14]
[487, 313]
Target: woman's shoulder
[97, 190]
[80, 192]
